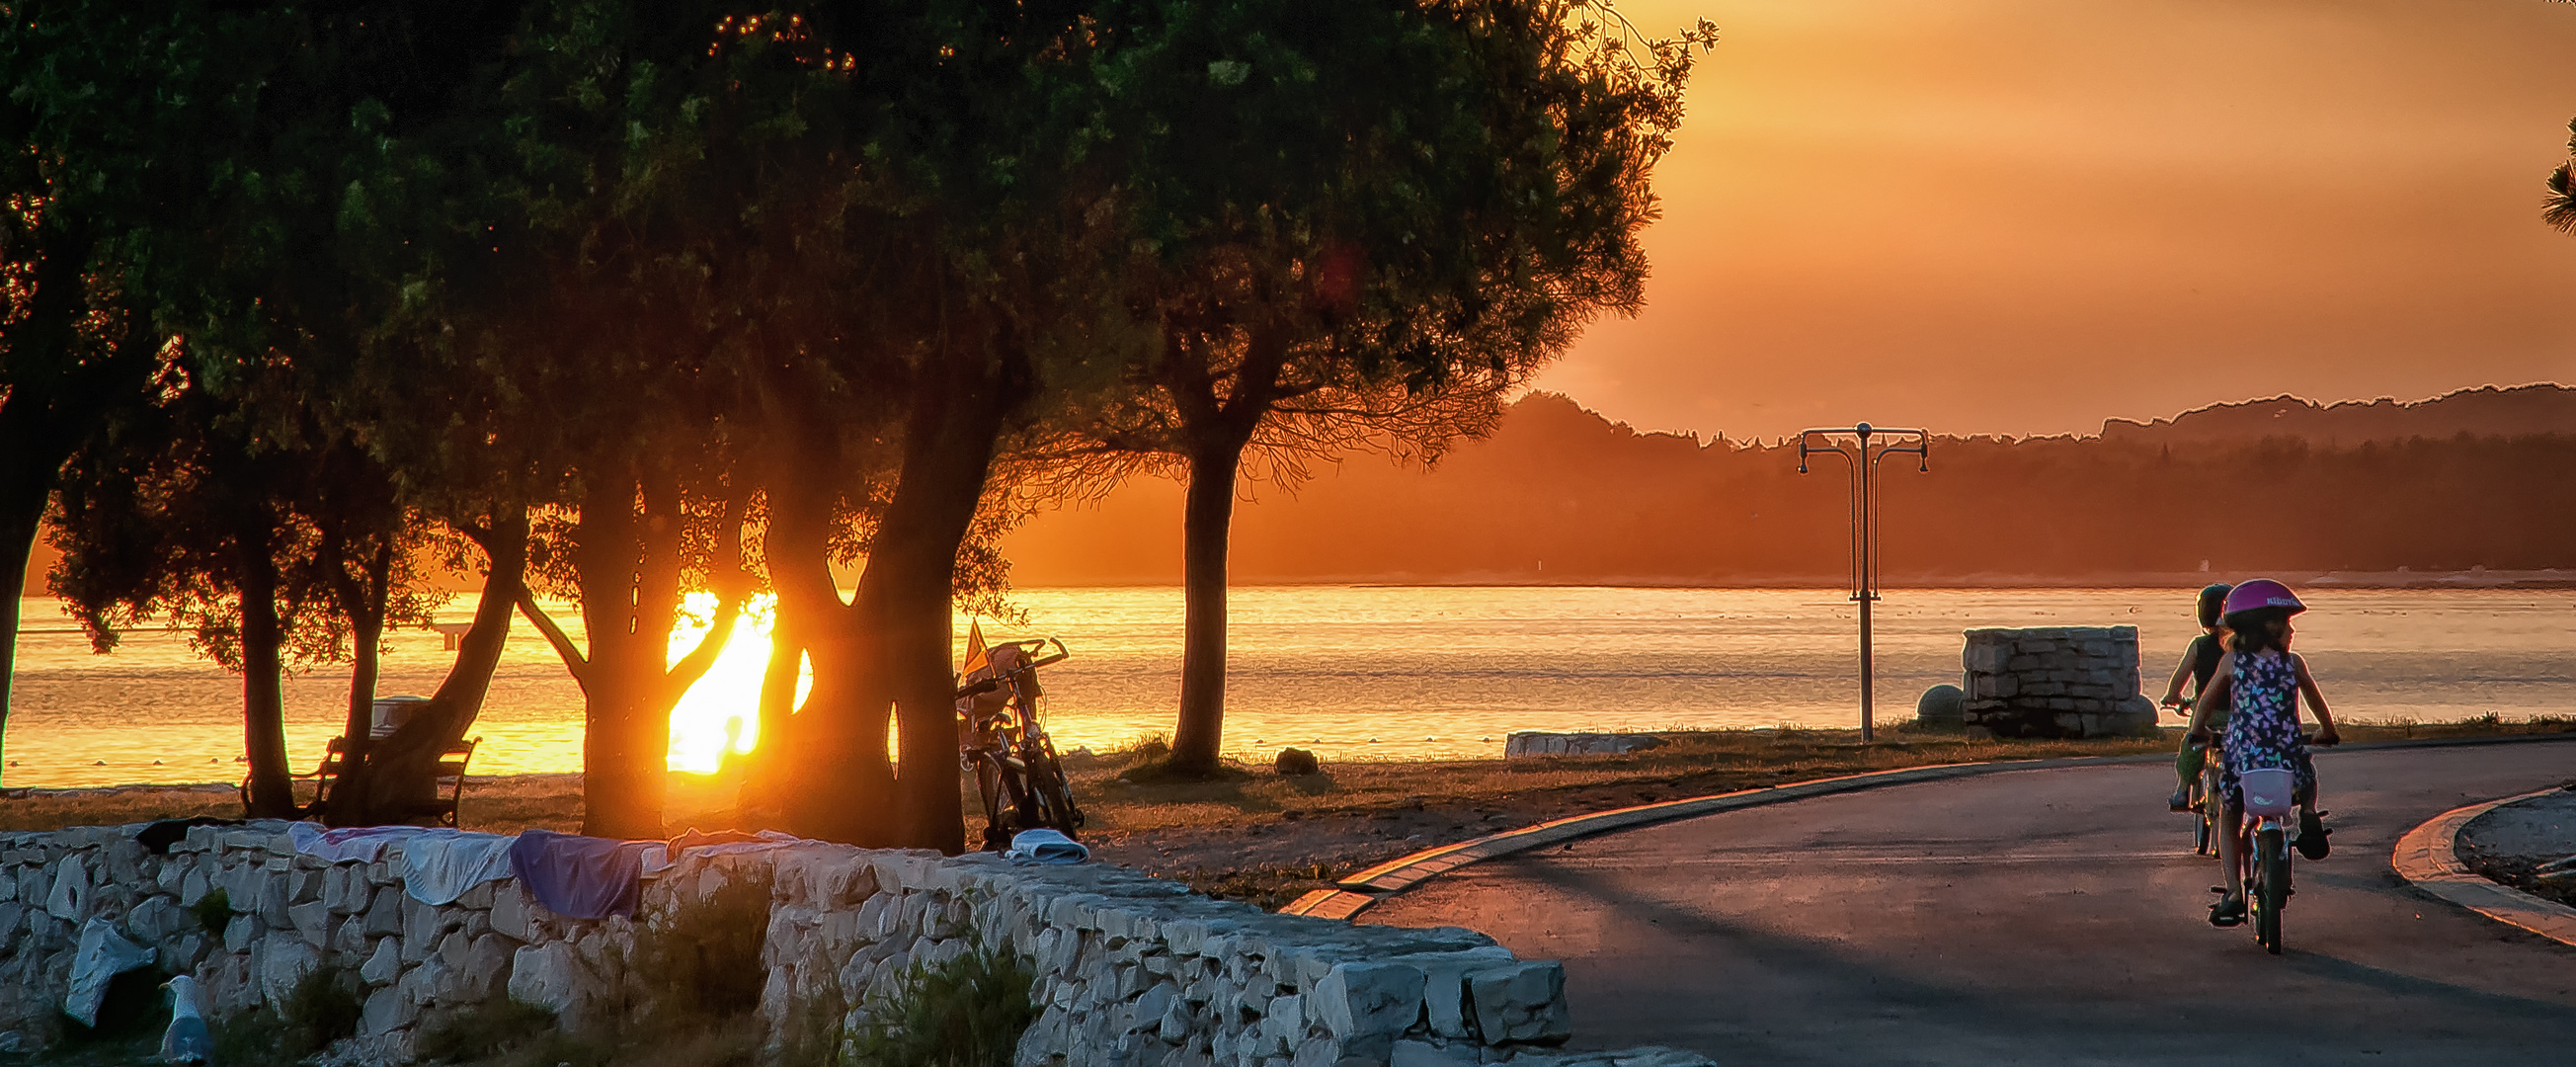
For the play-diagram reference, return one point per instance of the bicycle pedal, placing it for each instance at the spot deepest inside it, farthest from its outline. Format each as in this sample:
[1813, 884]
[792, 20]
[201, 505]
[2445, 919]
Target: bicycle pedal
[2219, 889]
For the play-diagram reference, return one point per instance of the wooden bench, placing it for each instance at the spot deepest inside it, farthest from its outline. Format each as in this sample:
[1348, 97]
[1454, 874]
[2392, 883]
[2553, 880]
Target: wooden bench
[449, 780]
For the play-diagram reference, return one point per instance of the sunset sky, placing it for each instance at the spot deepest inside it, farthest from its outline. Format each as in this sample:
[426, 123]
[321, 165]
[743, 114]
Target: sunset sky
[2025, 216]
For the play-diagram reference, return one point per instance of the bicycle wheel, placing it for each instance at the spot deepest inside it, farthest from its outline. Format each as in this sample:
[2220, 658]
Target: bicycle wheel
[2204, 822]
[2272, 885]
[1051, 801]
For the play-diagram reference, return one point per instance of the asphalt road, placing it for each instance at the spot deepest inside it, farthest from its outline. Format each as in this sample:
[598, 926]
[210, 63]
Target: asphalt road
[2048, 916]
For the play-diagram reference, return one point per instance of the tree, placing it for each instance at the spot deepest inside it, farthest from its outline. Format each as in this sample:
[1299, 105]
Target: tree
[1364, 223]
[2558, 209]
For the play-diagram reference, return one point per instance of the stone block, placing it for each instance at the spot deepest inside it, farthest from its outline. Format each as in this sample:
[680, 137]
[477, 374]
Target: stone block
[349, 937]
[514, 912]
[1356, 1000]
[1426, 1054]
[157, 917]
[1521, 1003]
[68, 898]
[241, 931]
[387, 1010]
[384, 965]
[547, 976]
[194, 886]
[285, 961]
[487, 967]
[313, 920]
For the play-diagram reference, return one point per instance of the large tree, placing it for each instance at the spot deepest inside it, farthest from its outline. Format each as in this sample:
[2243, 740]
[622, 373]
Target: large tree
[1363, 223]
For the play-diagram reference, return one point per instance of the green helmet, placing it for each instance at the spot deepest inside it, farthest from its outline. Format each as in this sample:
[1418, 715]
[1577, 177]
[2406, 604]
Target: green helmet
[2212, 599]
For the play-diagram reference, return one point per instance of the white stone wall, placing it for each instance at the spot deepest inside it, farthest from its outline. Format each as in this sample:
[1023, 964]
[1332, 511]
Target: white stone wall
[2057, 681]
[1131, 971]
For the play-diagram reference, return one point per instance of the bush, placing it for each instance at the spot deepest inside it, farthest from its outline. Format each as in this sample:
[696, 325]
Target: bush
[967, 1012]
[214, 911]
[703, 957]
[324, 1007]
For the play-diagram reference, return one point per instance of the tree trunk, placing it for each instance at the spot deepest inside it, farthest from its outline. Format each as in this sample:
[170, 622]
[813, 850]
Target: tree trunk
[271, 785]
[22, 513]
[621, 797]
[837, 780]
[365, 606]
[394, 780]
[907, 594]
[1207, 526]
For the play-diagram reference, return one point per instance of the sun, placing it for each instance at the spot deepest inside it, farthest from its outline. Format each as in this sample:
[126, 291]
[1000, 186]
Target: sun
[721, 713]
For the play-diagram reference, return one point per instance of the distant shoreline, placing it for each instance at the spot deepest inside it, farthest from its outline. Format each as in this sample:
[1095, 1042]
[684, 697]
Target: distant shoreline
[2475, 580]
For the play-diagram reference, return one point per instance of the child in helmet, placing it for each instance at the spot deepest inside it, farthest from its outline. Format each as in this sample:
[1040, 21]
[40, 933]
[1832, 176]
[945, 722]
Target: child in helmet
[2260, 681]
[2199, 661]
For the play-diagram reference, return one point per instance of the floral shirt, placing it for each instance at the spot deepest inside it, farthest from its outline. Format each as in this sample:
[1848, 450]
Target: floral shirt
[2263, 728]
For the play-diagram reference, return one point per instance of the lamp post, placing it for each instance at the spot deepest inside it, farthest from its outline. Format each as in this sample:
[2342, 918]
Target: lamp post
[1860, 457]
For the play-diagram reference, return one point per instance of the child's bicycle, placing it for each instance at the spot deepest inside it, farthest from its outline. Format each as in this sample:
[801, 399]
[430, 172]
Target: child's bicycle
[1001, 739]
[2199, 797]
[2264, 850]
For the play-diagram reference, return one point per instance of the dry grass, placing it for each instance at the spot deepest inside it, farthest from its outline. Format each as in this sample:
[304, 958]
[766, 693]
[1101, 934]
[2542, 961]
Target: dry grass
[1691, 763]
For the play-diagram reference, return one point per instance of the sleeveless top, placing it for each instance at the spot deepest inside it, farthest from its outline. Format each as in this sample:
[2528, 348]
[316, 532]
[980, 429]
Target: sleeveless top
[2263, 729]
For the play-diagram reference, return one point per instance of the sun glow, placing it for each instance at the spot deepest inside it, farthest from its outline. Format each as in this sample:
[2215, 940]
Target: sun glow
[721, 713]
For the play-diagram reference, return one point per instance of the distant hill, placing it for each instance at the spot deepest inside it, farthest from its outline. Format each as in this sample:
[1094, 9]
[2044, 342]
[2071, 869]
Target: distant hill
[2479, 478]
[2490, 411]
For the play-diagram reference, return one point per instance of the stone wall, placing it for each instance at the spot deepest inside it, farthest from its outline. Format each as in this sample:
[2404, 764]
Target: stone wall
[1130, 970]
[2057, 681]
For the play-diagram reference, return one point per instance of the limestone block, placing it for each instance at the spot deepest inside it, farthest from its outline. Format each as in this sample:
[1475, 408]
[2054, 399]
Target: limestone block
[384, 965]
[349, 937]
[186, 950]
[421, 984]
[452, 948]
[285, 962]
[239, 933]
[1521, 1002]
[194, 886]
[478, 923]
[1283, 1025]
[486, 969]
[1173, 1023]
[157, 917]
[481, 896]
[304, 884]
[173, 872]
[387, 1010]
[514, 912]
[1426, 1054]
[345, 891]
[1317, 1052]
[313, 920]
[1356, 1000]
[69, 897]
[547, 976]
[1444, 988]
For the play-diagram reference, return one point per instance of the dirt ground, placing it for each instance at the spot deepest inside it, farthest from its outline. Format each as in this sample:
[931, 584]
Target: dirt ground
[1265, 837]
[2508, 843]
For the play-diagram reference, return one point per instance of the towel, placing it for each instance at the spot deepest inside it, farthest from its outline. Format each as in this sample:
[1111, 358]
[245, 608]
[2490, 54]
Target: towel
[356, 844]
[1045, 846]
[440, 865]
[583, 877]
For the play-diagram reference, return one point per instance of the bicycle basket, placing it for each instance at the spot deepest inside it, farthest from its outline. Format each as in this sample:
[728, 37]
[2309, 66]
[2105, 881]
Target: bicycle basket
[2268, 790]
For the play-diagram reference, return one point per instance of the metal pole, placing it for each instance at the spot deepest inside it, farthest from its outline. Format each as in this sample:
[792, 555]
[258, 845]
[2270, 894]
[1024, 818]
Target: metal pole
[1862, 484]
[1867, 575]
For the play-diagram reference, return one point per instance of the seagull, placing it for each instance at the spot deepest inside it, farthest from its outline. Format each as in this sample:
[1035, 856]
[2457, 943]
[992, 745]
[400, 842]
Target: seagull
[186, 1041]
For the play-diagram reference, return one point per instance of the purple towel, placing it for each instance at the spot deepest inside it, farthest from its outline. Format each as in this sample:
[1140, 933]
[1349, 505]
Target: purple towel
[580, 877]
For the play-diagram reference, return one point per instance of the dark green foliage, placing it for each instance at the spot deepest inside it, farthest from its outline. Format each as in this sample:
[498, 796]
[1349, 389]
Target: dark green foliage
[323, 1007]
[702, 959]
[214, 911]
[967, 1012]
[490, 1029]
[135, 1006]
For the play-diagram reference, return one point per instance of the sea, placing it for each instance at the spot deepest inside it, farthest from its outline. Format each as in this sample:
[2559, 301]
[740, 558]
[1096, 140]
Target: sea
[1348, 671]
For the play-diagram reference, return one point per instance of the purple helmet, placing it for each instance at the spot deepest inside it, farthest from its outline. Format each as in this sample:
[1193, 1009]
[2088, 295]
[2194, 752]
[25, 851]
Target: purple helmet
[2262, 593]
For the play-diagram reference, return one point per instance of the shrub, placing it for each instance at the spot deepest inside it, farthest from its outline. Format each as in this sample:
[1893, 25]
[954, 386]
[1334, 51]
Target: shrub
[703, 957]
[323, 1007]
[967, 1012]
[214, 911]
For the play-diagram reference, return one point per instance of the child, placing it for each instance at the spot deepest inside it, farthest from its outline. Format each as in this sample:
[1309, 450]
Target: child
[2261, 682]
[2198, 662]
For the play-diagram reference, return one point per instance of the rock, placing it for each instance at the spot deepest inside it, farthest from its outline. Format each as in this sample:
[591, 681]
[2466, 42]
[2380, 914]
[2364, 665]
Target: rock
[1521, 1002]
[1426, 1054]
[157, 917]
[1528, 743]
[241, 931]
[546, 976]
[1358, 1000]
[514, 912]
[194, 886]
[387, 1010]
[385, 914]
[487, 967]
[313, 920]
[421, 984]
[285, 962]
[69, 898]
[384, 965]
[1941, 706]
[1297, 762]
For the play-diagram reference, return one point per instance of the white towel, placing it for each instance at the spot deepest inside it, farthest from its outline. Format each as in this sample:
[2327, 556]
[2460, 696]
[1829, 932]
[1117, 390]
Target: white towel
[440, 865]
[1045, 846]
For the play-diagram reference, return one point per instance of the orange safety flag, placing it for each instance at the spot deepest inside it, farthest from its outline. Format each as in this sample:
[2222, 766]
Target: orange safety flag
[975, 657]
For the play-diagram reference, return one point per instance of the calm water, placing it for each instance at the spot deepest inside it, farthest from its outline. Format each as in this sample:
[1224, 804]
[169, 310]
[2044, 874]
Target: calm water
[1366, 672]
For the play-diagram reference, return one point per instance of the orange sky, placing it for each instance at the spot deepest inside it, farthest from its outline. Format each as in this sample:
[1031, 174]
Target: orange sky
[2025, 216]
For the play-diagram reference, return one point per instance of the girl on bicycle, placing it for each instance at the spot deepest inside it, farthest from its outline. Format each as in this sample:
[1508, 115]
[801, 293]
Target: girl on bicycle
[2199, 661]
[2260, 681]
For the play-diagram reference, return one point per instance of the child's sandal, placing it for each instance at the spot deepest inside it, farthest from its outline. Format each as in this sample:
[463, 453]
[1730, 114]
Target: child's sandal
[2312, 841]
[2228, 912]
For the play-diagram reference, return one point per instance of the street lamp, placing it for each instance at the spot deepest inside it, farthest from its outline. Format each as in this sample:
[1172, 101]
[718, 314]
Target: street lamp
[1860, 456]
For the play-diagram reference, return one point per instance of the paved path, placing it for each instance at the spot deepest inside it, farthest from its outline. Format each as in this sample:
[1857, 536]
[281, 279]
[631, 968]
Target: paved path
[2052, 916]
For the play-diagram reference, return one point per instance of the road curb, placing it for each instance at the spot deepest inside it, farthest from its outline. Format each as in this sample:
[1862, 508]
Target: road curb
[1356, 893]
[2429, 857]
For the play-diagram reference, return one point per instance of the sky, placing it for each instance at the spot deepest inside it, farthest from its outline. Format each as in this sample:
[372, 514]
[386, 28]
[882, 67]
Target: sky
[2027, 216]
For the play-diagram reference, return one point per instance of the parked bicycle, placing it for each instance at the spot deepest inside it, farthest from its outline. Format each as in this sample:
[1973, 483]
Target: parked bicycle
[1002, 739]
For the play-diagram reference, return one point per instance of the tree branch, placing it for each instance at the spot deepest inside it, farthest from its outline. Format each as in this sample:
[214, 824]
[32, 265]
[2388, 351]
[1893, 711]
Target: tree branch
[573, 660]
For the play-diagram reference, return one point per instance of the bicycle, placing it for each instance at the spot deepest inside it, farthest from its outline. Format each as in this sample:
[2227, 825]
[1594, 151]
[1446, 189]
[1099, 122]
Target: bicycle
[1002, 739]
[2198, 794]
[2271, 798]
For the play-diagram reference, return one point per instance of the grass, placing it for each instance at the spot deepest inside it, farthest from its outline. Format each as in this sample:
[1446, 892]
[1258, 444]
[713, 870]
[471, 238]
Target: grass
[966, 1012]
[1692, 763]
